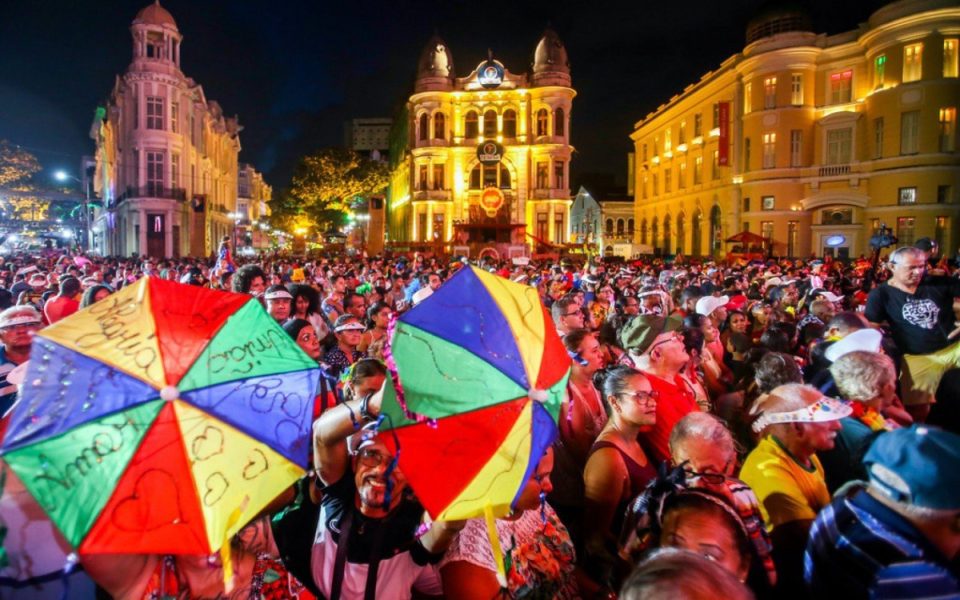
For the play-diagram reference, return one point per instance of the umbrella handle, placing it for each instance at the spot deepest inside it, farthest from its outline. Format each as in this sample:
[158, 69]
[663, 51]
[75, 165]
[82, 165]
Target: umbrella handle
[495, 544]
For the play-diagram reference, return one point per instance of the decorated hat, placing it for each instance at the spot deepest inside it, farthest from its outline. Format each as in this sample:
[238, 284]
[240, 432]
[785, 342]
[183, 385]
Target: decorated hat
[823, 410]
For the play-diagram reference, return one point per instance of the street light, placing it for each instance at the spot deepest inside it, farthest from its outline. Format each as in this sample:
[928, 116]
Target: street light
[61, 175]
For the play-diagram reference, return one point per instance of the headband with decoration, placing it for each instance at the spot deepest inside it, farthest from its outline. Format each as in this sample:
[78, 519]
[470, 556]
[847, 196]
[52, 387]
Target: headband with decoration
[823, 410]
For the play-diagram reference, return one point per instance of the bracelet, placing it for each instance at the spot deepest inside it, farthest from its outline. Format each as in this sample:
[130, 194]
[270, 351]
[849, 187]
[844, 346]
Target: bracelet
[365, 408]
[353, 417]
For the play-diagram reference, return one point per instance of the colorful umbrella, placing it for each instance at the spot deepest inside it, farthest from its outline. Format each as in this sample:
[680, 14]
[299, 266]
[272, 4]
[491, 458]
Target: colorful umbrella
[161, 419]
[482, 374]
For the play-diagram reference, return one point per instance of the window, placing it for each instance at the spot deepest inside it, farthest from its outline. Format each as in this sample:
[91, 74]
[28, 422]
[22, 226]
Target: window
[542, 122]
[422, 177]
[905, 231]
[796, 147]
[174, 170]
[947, 128]
[643, 231]
[697, 125]
[154, 172]
[747, 100]
[422, 226]
[879, 70]
[656, 184]
[770, 92]
[136, 113]
[746, 205]
[698, 170]
[438, 226]
[471, 126]
[666, 234]
[796, 89]
[439, 181]
[912, 62]
[609, 227]
[424, 128]
[504, 176]
[940, 231]
[769, 150]
[490, 176]
[643, 187]
[716, 115]
[910, 132]
[667, 181]
[490, 124]
[907, 195]
[878, 137]
[667, 141]
[682, 136]
[836, 216]
[439, 126]
[643, 153]
[715, 169]
[766, 230]
[746, 154]
[950, 58]
[793, 235]
[768, 203]
[542, 174]
[838, 146]
[620, 227]
[841, 87]
[681, 232]
[943, 194]
[558, 174]
[558, 122]
[559, 230]
[475, 177]
[630, 227]
[154, 112]
[682, 176]
[510, 123]
[175, 117]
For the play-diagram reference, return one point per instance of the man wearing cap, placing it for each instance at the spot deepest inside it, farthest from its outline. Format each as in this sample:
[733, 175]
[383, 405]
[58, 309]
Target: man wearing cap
[898, 535]
[366, 543]
[279, 301]
[33, 296]
[656, 348]
[919, 311]
[794, 422]
[18, 325]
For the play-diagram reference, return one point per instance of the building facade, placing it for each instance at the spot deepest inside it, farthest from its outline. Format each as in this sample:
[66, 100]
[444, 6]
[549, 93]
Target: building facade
[605, 223]
[370, 137]
[487, 156]
[253, 208]
[167, 169]
[811, 140]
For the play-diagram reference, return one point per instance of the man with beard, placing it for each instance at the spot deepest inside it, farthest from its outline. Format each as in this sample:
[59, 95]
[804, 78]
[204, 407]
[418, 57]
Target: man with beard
[366, 544]
[920, 314]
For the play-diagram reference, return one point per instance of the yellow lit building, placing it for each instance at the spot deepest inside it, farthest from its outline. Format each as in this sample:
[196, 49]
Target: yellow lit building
[828, 137]
[518, 125]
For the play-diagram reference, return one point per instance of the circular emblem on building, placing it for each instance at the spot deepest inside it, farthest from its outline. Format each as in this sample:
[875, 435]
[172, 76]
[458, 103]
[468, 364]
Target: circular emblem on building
[490, 74]
[491, 200]
[489, 152]
[835, 240]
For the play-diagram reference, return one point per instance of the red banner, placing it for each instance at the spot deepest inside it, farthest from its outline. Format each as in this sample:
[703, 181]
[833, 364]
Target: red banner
[723, 150]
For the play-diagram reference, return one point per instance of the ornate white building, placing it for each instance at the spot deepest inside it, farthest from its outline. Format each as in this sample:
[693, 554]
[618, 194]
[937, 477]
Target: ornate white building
[167, 169]
[487, 155]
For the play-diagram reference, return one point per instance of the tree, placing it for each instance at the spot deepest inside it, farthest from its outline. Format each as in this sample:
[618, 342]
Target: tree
[326, 183]
[16, 164]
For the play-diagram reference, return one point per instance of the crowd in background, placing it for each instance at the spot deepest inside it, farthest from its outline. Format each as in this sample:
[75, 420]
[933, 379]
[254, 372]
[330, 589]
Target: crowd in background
[780, 428]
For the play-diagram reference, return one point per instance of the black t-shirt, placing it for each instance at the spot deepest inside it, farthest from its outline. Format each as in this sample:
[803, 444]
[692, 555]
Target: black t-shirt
[920, 322]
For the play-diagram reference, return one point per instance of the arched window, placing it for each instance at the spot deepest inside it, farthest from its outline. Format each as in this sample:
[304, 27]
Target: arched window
[470, 125]
[609, 226]
[542, 122]
[490, 124]
[509, 123]
[666, 234]
[489, 176]
[504, 177]
[715, 217]
[655, 235]
[643, 231]
[439, 125]
[696, 249]
[681, 233]
[630, 226]
[558, 122]
[619, 227]
[475, 178]
[424, 126]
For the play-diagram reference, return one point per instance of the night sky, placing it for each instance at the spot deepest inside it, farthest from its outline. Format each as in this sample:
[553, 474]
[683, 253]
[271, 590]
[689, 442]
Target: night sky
[295, 71]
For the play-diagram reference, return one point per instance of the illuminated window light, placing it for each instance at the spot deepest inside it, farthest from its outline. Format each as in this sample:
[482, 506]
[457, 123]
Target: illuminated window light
[738, 179]
[682, 148]
[715, 132]
[697, 141]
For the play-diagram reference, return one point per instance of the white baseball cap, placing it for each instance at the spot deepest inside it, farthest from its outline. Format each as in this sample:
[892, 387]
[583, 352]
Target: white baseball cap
[707, 304]
[867, 340]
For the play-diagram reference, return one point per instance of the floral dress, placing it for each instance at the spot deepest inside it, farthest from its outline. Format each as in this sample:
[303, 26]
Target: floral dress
[539, 555]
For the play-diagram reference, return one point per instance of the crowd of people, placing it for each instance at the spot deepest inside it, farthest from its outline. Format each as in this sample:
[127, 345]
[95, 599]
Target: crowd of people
[781, 428]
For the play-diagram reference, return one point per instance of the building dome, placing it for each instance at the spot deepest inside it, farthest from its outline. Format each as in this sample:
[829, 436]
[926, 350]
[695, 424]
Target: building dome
[154, 14]
[778, 17]
[550, 55]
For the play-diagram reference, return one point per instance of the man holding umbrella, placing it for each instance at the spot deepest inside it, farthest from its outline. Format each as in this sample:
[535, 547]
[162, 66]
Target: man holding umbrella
[366, 544]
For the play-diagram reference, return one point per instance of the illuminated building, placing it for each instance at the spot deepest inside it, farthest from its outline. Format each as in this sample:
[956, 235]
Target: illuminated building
[253, 207]
[167, 168]
[828, 137]
[517, 125]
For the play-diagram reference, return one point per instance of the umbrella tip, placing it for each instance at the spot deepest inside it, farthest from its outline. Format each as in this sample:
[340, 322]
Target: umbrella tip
[169, 393]
[538, 395]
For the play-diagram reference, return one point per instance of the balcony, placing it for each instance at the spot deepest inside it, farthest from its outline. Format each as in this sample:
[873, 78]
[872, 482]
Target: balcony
[435, 195]
[153, 191]
[549, 194]
[834, 170]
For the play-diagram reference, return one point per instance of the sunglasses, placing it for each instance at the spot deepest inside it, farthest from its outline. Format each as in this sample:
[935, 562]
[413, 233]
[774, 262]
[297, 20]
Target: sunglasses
[373, 458]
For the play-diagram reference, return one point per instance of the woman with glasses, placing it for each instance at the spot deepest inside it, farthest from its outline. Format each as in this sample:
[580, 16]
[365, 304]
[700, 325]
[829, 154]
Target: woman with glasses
[617, 469]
